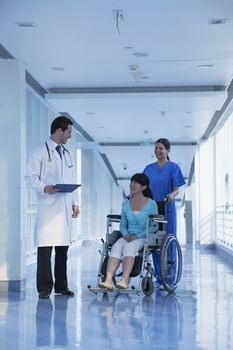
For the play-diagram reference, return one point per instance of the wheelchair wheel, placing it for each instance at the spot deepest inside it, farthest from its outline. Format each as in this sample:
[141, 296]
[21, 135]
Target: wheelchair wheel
[147, 286]
[170, 263]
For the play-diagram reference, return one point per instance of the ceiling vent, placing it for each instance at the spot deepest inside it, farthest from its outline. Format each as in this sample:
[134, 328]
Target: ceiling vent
[216, 21]
[25, 24]
[140, 54]
[58, 69]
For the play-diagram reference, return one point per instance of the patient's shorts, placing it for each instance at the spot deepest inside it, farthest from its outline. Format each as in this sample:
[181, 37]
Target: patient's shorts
[122, 248]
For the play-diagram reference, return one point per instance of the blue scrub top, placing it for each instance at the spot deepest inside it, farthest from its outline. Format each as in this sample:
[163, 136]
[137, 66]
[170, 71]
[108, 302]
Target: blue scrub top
[162, 182]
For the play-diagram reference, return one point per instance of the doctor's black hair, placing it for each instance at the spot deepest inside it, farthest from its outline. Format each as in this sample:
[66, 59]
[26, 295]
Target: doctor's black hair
[60, 122]
[143, 180]
[166, 143]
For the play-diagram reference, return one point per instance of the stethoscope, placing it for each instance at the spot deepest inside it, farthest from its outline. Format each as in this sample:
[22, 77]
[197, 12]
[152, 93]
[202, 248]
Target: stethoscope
[64, 151]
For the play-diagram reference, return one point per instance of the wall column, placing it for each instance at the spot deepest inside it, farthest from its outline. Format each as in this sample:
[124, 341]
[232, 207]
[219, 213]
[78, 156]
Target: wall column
[12, 168]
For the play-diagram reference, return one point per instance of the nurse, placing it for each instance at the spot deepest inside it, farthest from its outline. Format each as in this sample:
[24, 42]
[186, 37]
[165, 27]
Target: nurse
[52, 163]
[165, 179]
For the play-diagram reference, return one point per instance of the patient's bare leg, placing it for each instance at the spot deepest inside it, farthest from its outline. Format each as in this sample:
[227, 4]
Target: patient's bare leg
[113, 264]
[127, 266]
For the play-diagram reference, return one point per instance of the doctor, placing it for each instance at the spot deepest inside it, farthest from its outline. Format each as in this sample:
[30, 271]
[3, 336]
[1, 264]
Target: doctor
[52, 163]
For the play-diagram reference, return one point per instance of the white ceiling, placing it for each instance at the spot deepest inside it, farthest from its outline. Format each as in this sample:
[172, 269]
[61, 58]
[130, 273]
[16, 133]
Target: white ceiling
[148, 64]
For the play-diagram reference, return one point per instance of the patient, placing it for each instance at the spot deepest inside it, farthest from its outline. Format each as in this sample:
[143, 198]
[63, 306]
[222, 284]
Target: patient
[133, 226]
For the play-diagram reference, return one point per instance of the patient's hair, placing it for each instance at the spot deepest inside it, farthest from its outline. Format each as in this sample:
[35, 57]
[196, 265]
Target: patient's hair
[143, 180]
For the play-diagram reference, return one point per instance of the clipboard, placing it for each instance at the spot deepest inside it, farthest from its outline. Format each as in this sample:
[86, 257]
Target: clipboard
[67, 188]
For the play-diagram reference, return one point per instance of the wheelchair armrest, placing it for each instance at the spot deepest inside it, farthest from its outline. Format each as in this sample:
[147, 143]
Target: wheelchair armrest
[113, 237]
[113, 217]
[158, 218]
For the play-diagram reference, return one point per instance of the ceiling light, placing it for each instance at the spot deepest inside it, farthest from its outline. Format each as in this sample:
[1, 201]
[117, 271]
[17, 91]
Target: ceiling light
[58, 69]
[216, 21]
[101, 127]
[128, 47]
[163, 113]
[25, 24]
[204, 66]
[140, 54]
[188, 126]
[90, 113]
[133, 66]
[145, 77]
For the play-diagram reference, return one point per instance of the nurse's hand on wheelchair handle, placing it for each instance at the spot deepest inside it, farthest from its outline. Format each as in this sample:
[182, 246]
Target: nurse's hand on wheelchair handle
[169, 197]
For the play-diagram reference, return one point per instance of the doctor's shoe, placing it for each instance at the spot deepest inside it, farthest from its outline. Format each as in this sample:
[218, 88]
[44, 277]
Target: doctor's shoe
[43, 295]
[67, 292]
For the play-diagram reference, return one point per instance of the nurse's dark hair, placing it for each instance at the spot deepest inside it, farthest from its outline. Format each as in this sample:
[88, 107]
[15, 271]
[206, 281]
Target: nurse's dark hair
[143, 180]
[166, 143]
[60, 122]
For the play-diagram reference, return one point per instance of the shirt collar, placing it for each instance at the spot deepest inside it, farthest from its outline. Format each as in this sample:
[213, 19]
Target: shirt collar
[52, 145]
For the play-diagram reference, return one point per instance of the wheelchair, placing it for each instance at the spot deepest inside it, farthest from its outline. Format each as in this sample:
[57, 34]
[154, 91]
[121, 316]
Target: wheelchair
[157, 240]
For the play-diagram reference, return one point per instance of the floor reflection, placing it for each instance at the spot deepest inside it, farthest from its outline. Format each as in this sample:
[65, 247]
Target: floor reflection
[198, 317]
[51, 322]
[141, 319]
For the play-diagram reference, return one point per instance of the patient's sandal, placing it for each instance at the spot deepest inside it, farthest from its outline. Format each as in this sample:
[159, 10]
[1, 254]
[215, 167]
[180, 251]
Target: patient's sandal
[106, 285]
[122, 285]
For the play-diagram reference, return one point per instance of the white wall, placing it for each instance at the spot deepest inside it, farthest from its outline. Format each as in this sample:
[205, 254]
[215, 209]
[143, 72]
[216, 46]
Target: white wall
[214, 188]
[224, 185]
[100, 195]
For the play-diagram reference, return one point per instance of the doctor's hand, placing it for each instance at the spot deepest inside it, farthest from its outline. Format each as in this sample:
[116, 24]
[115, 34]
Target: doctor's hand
[76, 211]
[51, 189]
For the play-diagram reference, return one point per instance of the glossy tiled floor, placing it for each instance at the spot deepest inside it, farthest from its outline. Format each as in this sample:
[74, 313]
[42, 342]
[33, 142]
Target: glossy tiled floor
[198, 316]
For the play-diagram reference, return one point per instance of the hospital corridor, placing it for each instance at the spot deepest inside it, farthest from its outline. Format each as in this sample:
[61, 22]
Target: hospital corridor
[116, 174]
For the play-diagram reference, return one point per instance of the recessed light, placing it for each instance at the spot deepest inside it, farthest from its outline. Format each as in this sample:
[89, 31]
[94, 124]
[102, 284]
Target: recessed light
[204, 66]
[101, 127]
[145, 77]
[25, 24]
[216, 21]
[90, 113]
[128, 47]
[133, 67]
[58, 69]
[140, 54]
[163, 113]
[188, 126]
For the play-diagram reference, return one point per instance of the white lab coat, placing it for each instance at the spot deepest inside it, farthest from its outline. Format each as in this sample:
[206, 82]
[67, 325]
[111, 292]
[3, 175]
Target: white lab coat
[54, 211]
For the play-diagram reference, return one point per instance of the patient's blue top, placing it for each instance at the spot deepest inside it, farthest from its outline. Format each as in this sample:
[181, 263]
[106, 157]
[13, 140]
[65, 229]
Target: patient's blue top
[135, 224]
[162, 182]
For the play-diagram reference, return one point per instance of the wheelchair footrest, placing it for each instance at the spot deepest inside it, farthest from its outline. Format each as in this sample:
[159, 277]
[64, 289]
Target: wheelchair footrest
[97, 290]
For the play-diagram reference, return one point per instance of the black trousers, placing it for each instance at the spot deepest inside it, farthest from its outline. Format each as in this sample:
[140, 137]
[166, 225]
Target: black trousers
[44, 276]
